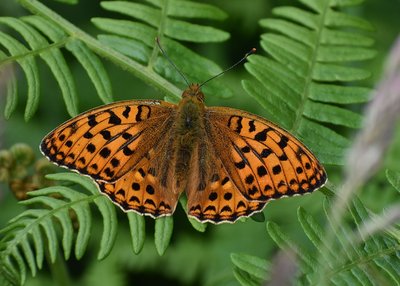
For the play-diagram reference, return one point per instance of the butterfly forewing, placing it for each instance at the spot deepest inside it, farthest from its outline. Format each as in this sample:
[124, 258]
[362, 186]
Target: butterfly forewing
[107, 142]
[263, 160]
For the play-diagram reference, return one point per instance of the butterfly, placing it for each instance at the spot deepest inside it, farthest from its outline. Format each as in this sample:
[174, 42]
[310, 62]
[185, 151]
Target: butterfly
[143, 154]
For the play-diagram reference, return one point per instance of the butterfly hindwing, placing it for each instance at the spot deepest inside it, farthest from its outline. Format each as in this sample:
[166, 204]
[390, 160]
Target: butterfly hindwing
[141, 189]
[264, 161]
[106, 142]
[217, 199]
[149, 187]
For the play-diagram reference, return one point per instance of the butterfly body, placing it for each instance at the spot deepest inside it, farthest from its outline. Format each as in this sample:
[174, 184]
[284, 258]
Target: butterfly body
[188, 131]
[144, 154]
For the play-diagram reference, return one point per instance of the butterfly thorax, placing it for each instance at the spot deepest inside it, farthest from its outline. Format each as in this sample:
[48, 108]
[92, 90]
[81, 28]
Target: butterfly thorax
[189, 129]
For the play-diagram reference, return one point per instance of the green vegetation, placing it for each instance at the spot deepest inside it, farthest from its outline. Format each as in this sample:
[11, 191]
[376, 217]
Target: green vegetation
[318, 64]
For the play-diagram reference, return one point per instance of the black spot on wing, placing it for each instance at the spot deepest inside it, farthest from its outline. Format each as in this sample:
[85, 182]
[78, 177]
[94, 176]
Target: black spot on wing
[88, 135]
[126, 111]
[283, 142]
[276, 169]
[114, 119]
[91, 148]
[262, 135]
[106, 134]
[213, 196]
[105, 152]
[135, 186]
[252, 126]
[92, 120]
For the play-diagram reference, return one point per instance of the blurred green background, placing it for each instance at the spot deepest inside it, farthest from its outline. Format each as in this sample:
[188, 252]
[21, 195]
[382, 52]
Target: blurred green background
[192, 258]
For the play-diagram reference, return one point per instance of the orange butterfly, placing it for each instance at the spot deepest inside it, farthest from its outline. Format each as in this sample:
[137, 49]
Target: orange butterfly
[143, 154]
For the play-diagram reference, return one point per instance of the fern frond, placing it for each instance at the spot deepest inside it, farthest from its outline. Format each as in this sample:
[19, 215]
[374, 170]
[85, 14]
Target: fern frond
[393, 178]
[169, 21]
[45, 40]
[129, 44]
[349, 261]
[307, 80]
[23, 239]
[250, 270]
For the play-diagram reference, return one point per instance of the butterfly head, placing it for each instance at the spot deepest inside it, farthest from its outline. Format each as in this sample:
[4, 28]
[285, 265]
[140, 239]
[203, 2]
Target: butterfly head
[193, 92]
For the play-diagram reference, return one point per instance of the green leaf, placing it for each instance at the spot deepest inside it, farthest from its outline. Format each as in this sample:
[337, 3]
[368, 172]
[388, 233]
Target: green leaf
[163, 233]
[308, 263]
[173, 28]
[138, 233]
[316, 5]
[71, 2]
[254, 266]
[142, 12]
[318, 136]
[339, 94]
[332, 114]
[290, 30]
[345, 259]
[26, 249]
[51, 236]
[245, 278]
[394, 179]
[53, 59]
[344, 54]
[295, 14]
[336, 37]
[192, 10]
[21, 265]
[309, 74]
[330, 72]
[28, 65]
[201, 227]
[12, 88]
[314, 233]
[109, 235]
[129, 47]
[90, 62]
[288, 52]
[194, 33]
[135, 30]
[94, 68]
[37, 240]
[339, 19]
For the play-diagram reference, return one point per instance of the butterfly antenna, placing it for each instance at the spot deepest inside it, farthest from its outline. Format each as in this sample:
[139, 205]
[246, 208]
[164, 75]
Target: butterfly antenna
[252, 51]
[170, 61]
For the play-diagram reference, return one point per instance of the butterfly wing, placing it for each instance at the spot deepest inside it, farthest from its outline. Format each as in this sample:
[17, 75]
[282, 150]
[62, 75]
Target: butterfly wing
[256, 161]
[148, 188]
[263, 160]
[212, 195]
[107, 142]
